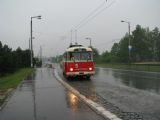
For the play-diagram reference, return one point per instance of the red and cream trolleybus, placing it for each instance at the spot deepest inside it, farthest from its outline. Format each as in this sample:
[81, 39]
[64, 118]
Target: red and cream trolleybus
[78, 61]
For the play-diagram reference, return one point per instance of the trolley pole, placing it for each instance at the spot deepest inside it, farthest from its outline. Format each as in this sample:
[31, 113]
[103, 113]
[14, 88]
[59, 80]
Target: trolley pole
[76, 36]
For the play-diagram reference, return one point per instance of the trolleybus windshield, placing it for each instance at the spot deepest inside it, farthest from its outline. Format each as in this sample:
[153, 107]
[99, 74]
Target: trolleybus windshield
[80, 56]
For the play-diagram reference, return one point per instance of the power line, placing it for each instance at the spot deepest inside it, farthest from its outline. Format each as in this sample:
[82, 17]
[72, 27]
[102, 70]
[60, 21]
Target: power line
[90, 14]
[88, 18]
[96, 14]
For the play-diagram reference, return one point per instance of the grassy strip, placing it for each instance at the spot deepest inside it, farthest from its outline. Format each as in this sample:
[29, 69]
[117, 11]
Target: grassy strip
[138, 67]
[12, 80]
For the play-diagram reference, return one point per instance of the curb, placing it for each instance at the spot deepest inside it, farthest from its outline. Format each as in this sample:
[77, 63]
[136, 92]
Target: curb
[7, 97]
[95, 106]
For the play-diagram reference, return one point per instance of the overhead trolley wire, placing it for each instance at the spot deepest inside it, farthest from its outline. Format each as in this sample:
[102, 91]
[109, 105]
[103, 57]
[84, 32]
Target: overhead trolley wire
[90, 18]
[90, 14]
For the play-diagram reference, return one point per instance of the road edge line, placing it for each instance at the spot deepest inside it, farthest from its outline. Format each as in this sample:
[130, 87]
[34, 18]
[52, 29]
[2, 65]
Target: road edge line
[95, 106]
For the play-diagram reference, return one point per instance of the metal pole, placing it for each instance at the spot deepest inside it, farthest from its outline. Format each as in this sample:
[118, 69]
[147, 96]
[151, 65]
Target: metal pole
[90, 41]
[129, 31]
[41, 53]
[31, 46]
[71, 36]
[129, 41]
[76, 37]
[38, 17]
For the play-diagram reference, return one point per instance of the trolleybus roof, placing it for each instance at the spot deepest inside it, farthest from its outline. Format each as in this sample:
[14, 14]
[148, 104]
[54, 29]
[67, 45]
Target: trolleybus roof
[77, 48]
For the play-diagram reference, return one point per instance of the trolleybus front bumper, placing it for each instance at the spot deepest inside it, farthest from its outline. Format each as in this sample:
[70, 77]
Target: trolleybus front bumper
[80, 73]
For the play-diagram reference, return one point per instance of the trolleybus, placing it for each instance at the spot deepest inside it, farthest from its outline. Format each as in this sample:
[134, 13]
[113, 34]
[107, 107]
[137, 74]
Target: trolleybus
[78, 61]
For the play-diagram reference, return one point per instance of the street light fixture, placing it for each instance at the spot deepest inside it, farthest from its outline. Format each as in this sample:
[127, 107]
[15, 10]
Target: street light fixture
[90, 40]
[38, 17]
[129, 44]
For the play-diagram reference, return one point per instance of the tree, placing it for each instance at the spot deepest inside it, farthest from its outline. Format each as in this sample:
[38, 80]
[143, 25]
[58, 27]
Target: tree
[156, 44]
[123, 55]
[13, 60]
[150, 45]
[115, 49]
[106, 57]
[114, 52]
[145, 47]
[140, 44]
[96, 55]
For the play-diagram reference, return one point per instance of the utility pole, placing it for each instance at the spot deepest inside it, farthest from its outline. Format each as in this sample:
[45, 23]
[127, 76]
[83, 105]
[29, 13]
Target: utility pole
[129, 42]
[90, 41]
[76, 37]
[29, 44]
[38, 17]
[41, 53]
[71, 36]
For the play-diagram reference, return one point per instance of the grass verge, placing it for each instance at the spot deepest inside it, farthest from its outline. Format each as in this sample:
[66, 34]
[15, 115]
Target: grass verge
[138, 67]
[11, 81]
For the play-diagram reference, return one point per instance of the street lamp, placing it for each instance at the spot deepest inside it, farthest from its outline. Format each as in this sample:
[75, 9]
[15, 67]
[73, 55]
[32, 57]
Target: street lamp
[129, 44]
[90, 40]
[38, 17]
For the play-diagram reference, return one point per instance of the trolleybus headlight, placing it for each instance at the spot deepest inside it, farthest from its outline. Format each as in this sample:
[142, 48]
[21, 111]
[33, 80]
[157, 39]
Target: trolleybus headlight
[71, 69]
[90, 68]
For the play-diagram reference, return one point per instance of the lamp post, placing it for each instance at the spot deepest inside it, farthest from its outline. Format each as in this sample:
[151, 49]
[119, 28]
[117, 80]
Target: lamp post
[90, 40]
[129, 43]
[38, 17]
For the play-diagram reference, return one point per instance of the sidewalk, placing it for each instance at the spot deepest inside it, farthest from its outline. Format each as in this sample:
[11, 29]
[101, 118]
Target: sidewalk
[44, 98]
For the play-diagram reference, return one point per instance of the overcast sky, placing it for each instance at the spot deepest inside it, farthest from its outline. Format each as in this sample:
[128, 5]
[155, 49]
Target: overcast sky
[52, 32]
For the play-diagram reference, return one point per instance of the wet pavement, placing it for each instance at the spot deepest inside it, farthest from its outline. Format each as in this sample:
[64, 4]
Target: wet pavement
[131, 95]
[148, 81]
[42, 97]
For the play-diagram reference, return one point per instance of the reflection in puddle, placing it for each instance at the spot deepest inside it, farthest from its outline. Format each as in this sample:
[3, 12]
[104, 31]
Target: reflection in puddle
[87, 89]
[72, 100]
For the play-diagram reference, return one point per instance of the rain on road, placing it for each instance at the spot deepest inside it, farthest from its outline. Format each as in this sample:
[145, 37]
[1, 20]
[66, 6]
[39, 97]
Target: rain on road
[131, 95]
[42, 97]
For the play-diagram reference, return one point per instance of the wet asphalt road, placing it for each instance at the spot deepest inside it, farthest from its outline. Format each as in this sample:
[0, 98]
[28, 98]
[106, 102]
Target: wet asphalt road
[42, 97]
[130, 95]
